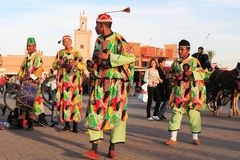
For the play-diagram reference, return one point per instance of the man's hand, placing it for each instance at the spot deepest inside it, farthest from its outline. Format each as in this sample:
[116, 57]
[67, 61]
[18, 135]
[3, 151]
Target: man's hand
[160, 80]
[28, 79]
[24, 79]
[61, 62]
[188, 73]
[74, 63]
[103, 55]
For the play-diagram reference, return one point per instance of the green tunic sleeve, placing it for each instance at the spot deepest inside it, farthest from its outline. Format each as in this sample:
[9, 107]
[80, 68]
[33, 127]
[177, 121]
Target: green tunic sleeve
[119, 60]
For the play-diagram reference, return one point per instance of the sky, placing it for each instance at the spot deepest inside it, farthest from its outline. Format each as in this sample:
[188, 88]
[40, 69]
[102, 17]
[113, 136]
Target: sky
[213, 24]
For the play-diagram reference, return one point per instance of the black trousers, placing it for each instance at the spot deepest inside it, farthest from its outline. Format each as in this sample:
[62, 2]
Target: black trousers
[153, 94]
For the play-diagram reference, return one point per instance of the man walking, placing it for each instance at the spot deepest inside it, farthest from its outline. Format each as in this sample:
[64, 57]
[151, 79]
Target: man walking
[188, 93]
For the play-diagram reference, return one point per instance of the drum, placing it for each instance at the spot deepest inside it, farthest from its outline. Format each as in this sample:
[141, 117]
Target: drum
[27, 95]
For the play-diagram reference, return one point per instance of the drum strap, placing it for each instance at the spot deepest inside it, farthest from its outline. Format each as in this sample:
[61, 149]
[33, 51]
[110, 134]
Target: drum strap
[27, 64]
[27, 67]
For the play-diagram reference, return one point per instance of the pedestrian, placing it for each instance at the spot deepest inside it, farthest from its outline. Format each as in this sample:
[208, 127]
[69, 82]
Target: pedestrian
[70, 66]
[152, 78]
[52, 90]
[52, 85]
[188, 93]
[203, 59]
[30, 72]
[112, 69]
[163, 88]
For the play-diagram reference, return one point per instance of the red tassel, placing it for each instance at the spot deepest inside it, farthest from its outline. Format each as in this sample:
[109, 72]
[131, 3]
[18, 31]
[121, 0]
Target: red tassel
[127, 10]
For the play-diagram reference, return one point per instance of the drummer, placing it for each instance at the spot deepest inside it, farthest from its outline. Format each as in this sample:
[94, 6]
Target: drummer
[31, 69]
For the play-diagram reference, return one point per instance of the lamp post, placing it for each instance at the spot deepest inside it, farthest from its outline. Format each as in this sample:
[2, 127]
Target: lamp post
[206, 40]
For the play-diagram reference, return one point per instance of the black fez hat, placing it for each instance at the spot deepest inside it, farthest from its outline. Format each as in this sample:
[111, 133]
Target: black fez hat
[184, 42]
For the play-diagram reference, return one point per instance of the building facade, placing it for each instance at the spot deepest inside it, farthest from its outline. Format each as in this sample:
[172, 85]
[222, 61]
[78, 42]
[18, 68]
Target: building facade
[11, 63]
[144, 53]
[83, 39]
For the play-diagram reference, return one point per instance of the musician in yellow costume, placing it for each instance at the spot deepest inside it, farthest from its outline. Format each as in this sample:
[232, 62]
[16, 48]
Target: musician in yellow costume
[31, 69]
[70, 66]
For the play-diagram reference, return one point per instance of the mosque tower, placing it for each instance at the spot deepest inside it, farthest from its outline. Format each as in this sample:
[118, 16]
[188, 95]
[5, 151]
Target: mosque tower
[83, 38]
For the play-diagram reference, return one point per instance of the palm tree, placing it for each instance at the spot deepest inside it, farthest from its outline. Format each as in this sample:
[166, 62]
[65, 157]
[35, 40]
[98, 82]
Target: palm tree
[211, 54]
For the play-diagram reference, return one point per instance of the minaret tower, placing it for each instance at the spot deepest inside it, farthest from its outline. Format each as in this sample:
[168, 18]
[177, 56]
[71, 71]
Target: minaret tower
[83, 38]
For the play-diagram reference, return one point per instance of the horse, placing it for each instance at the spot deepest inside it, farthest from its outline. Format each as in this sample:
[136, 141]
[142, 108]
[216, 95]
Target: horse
[235, 97]
[222, 82]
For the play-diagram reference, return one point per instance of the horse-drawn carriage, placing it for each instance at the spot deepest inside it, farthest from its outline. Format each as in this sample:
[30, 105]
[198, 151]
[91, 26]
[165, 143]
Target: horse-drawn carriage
[223, 87]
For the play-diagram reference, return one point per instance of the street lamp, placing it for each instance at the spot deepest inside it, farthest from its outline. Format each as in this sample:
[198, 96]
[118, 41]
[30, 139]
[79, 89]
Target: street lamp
[206, 40]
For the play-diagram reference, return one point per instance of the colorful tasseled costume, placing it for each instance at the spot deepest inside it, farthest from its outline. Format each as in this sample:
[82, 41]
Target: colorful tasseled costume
[108, 102]
[32, 66]
[190, 94]
[69, 86]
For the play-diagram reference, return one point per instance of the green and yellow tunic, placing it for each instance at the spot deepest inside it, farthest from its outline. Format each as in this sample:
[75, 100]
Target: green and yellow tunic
[108, 101]
[69, 86]
[32, 67]
[190, 94]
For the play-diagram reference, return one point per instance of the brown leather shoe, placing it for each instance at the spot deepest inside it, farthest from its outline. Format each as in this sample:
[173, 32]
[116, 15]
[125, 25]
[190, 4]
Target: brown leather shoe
[196, 142]
[170, 142]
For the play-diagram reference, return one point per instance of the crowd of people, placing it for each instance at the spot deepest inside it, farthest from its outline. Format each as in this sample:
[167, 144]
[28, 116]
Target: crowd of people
[111, 69]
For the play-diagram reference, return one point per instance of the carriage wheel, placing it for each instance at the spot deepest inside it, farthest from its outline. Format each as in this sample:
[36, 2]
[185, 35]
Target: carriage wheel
[1, 89]
[46, 98]
[45, 92]
[226, 97]
[211, 106]
[10, 96]
[209, 101]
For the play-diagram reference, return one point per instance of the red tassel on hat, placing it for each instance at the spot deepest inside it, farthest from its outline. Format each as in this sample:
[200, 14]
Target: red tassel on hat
[127, 10]
[107, 18]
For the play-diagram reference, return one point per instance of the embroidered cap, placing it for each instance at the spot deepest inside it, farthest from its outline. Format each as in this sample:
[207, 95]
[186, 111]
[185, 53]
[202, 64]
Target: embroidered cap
[31, 40]
[104, 18]
[66, 37]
